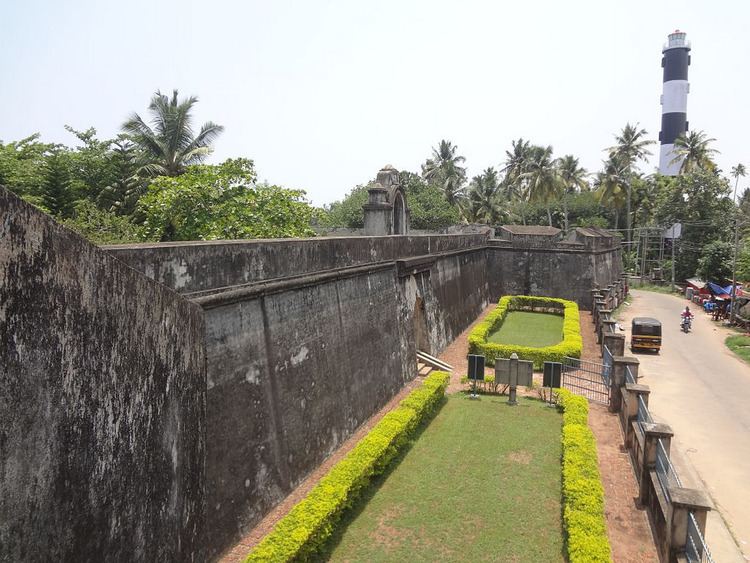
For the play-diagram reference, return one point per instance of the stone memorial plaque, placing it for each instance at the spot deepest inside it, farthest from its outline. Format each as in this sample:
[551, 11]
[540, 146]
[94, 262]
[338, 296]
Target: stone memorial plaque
[525, 373]
[502, 371]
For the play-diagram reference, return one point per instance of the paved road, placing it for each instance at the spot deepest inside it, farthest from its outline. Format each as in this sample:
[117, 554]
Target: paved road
[702, 390]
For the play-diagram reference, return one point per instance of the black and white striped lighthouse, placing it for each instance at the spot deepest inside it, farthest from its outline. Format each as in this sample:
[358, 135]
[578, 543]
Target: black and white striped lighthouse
[675, 61]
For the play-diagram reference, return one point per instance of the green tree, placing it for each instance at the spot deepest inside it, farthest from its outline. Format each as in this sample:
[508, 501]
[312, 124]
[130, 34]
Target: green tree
[428, 208]
[630, 148]
[515, 181]
[121, 194]
[484, 203]
[170, 145]
[100, 226]
[573, 178]
[611, 185]
[445, 171]
[57, 196]
[737, 171]
[543, 178]
[700, 201]
[692, 150]
[348, 211]
[222, 202]
[90, 165]
[22, 166]
[715, 262]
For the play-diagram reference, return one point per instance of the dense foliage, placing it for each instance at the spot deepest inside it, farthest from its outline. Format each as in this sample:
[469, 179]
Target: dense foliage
[305, 529]
[149, 183]
[222, 202]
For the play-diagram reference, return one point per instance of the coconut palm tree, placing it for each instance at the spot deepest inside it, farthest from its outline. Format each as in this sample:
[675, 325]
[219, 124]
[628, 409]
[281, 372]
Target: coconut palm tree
[484, 201]
[692, 150]
[611, 185]
[516, 163]
[737, 171]
[444, 170]
[169, 145]
[542, 177]
[573, 178]
[630, 148]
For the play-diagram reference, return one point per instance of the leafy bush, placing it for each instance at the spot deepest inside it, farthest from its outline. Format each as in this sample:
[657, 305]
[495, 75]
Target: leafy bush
[304, 531]
[570, 346]
[583, 494]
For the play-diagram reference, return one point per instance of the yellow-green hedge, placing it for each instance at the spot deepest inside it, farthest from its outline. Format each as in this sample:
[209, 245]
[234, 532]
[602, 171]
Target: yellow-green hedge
[583, 494]
[304, 531]
[570, 345]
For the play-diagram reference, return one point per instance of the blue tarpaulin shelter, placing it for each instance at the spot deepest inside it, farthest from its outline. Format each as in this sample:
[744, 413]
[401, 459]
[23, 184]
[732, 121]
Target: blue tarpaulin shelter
[718, 291]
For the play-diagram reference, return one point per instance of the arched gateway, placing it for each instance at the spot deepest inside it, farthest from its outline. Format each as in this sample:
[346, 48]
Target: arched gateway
[386, 210]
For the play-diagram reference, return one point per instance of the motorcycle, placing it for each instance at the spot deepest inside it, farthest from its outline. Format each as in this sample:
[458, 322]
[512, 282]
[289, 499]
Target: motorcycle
[686, 324]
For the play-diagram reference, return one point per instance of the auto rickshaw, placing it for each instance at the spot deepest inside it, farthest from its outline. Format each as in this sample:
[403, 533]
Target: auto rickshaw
[645, 334]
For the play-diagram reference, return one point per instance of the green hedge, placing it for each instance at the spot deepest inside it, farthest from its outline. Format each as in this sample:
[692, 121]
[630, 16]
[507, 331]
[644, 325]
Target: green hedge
[570, 345]
[306, 528]
[583, 494]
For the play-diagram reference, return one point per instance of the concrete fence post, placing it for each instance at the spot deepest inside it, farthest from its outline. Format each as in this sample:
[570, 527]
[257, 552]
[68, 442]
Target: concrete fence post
[631, 392]
[617, 381]
[684, 501]
[607, 327]
[599, 304]
[602, 316]
[652, 433]
[615, 342]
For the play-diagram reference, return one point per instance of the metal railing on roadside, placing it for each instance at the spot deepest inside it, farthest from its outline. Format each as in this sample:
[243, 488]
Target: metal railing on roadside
[608, 362]
[629, 376]
[643, 415]
[665, 470]
[696, 549]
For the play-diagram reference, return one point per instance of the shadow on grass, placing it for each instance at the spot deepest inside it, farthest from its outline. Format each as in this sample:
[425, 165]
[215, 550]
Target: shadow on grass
[350, 514]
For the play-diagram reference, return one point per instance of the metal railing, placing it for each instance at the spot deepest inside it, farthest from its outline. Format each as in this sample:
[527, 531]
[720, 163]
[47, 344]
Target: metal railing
[643, 415]
[664, 470]
[629, 376]
[608, 361]
[696, 549]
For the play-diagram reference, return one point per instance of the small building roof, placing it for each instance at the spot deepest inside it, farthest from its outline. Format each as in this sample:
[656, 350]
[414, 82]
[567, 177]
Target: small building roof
[696, 283]
[538, 230]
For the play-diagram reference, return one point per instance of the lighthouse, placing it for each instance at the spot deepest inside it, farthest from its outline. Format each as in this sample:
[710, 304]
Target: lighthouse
[675, 61]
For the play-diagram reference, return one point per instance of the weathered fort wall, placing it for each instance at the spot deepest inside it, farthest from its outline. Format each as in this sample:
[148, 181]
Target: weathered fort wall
[102, 403]
[304, 340]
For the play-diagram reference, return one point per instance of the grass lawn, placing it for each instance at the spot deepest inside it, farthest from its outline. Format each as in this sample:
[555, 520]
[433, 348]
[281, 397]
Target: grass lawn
[481, 483]
[529, 329]
[740, 345]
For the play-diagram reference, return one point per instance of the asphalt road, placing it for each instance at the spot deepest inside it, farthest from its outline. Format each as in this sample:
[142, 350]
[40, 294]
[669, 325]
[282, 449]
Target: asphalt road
[702, 391]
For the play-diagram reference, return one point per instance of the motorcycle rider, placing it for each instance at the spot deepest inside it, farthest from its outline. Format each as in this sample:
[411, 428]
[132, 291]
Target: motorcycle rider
[687, 316]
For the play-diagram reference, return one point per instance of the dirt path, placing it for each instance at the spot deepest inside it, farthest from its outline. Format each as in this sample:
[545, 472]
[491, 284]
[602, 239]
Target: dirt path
[628, 528]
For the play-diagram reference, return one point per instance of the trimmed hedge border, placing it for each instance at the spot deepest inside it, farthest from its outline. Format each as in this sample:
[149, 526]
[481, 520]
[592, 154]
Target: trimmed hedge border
[306, 528]
[571, 344]
[583, 494]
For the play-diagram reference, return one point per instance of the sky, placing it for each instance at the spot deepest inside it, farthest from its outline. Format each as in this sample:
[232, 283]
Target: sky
[322, 94]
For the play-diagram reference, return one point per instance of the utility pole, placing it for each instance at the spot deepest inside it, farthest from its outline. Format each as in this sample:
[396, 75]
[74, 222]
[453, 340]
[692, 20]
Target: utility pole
[733, 313]
[673, 239]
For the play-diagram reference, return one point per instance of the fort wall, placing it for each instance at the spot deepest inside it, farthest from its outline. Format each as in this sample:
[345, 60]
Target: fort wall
[102, 403]
[303, 339]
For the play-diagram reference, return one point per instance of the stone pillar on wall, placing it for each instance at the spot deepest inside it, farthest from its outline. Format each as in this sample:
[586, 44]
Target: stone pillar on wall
[615, 342]
[378, 212]
[652, 433]
[684, 501]
[618, 380]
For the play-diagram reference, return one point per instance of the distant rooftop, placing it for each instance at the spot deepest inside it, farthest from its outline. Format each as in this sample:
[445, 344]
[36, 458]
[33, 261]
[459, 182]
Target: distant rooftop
[538, 230]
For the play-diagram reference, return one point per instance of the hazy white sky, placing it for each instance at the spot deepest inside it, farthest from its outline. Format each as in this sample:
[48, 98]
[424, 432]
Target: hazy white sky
[322, 94]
